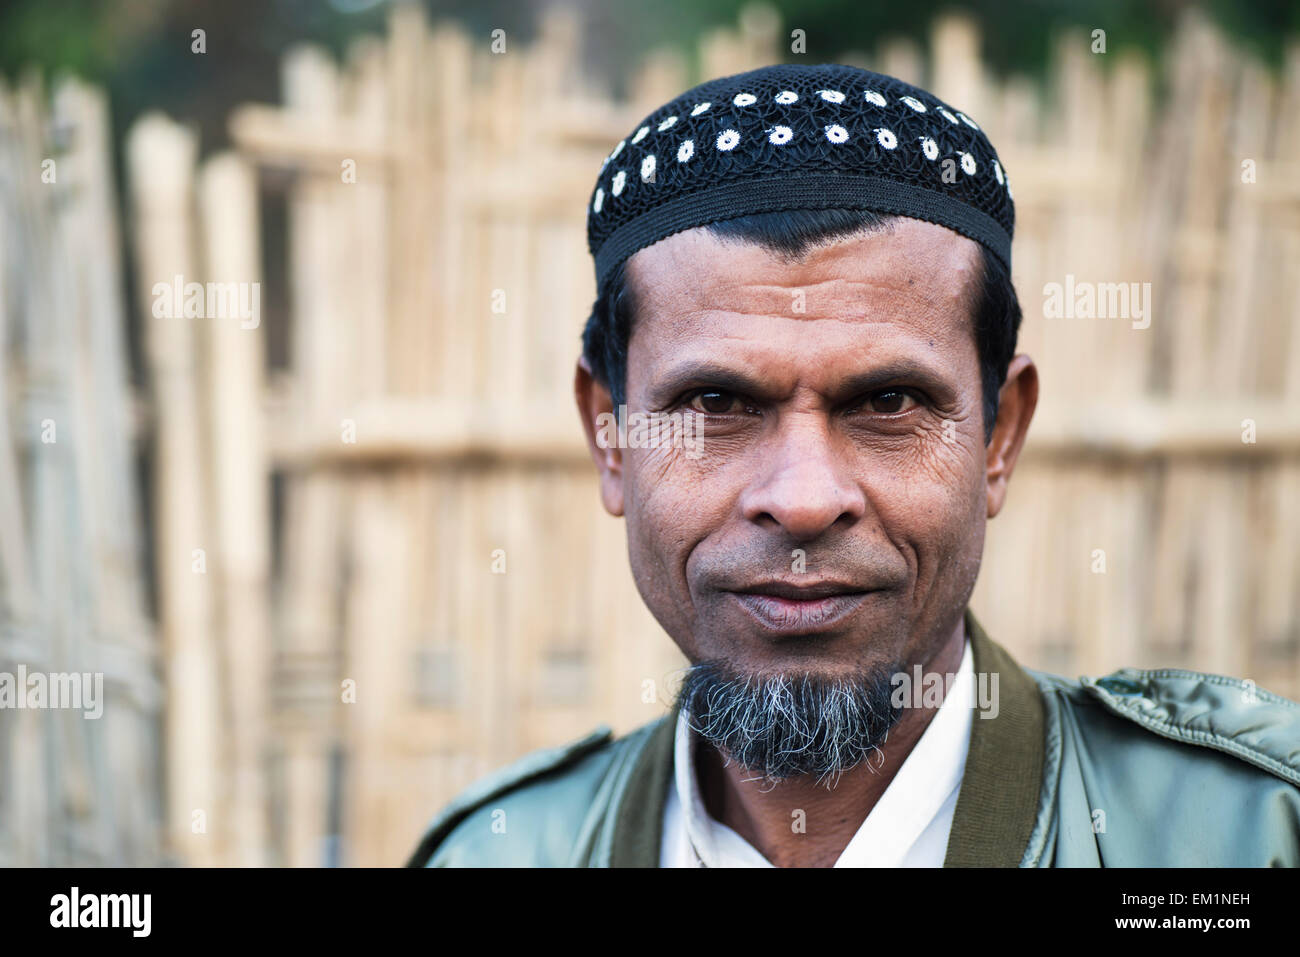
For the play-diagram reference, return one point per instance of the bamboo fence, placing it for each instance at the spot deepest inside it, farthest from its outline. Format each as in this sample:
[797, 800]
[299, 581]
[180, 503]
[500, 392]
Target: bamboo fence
[408, 577]
[72, 587]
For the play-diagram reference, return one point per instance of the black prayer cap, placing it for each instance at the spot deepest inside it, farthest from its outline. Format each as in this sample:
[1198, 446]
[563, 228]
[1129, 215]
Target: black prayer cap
[798, 137]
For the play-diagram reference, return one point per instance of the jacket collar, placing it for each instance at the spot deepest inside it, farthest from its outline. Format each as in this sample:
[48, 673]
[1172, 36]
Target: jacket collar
[996, 806]
[998, 801]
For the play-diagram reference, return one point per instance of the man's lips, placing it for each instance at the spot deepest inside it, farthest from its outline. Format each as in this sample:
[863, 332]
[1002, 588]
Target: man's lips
[789, 608]
[801, 591]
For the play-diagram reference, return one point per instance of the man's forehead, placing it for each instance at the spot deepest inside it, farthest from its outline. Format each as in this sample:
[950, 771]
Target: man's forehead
[694, 272]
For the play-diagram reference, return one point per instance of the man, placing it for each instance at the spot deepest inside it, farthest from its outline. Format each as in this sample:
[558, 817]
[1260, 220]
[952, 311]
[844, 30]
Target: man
[806, 271]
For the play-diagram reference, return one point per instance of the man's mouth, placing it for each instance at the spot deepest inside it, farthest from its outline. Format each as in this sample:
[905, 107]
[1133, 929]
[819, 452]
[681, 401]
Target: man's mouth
[808, 607]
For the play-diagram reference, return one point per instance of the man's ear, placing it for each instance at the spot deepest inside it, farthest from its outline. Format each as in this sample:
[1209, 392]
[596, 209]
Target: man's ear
[1016, 402]
[596, 409]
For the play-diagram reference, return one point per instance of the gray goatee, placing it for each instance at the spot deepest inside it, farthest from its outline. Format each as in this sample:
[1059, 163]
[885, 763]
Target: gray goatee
[791, 725]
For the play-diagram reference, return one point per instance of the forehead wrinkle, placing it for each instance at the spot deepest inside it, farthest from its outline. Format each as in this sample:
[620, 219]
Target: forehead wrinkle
[709, 317]
[684, 281]
[833, 292]
[772, 357]
[697, 318]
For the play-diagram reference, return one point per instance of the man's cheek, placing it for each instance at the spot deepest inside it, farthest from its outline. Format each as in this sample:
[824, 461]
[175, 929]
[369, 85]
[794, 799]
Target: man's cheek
[927, 503]
[951, 532]
[660, 505]
[947, 451]
[670, 485]
[926, 474]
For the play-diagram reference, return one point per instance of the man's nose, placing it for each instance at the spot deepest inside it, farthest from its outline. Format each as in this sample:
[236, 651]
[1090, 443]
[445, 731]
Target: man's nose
[803, 484]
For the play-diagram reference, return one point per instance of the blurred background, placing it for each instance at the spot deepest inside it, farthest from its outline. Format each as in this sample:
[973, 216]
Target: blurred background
[340, 554]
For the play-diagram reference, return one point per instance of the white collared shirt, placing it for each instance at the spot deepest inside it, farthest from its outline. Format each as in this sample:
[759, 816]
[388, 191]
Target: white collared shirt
[908, 827]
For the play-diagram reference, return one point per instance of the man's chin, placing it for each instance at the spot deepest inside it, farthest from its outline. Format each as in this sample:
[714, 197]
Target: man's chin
[793, 722]
[853, 653]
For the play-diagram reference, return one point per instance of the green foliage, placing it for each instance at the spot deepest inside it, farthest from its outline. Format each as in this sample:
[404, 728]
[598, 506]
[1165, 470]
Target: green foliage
[140, 49]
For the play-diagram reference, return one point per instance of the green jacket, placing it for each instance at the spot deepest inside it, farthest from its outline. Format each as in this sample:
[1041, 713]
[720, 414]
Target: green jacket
[1140, 768]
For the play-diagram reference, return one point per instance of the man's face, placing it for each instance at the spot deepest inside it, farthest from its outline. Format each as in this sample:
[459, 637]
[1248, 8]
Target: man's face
[833, 521]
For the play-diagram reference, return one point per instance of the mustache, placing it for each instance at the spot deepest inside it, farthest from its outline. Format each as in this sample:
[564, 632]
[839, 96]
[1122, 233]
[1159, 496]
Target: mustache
[829, 569]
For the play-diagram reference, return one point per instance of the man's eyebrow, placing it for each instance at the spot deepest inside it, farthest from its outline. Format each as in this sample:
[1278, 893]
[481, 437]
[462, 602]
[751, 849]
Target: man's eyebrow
[702, 373]
[710, 374]
[909, 371]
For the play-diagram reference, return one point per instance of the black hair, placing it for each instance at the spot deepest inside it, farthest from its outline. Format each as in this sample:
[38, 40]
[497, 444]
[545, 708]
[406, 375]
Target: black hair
[996, 309]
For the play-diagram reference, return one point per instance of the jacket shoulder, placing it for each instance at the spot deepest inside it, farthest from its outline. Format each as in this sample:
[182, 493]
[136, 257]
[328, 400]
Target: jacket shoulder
[531, 813]
[1228, 715]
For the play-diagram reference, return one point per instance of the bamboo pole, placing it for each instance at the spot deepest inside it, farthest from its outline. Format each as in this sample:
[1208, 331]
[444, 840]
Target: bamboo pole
[309, 637]
[235, 354]
[160, 163]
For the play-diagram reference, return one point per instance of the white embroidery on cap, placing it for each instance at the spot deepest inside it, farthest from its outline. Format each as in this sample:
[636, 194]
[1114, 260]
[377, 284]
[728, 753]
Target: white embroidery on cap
[836, 133]
[618, 149]
[997, 171]
[700, 108]
[599, 201]
[786, 97]
[780, 135]
[685, 151]
[947, 115]
[745, 99]
[620, 180]
[914, 103]
[968, 164]
[648, 168]
[640, 134]
[930, 148]
[886, 138]
[668, 124]
[968, 121]
[831, 96]
[727, 140]
[871, 96]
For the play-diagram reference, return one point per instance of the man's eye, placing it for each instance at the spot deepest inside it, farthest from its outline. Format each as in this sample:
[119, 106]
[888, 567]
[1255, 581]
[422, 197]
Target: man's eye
[890, 401]
[714, 402]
